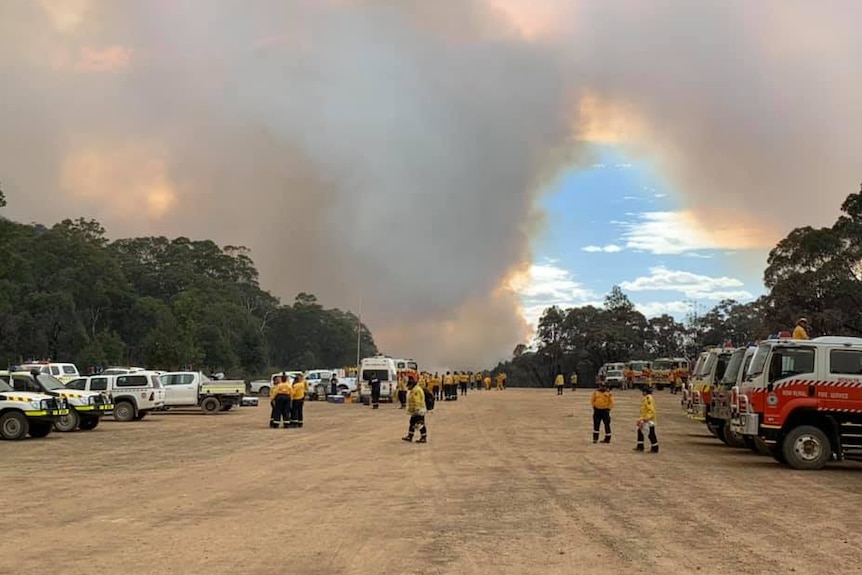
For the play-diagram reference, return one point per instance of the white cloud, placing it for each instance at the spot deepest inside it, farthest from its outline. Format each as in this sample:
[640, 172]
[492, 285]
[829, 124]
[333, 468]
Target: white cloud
[677, 309]
[664, 233]
[689, 284]
[660, 196]
[610, 249]
[673, 233]
[546, 285]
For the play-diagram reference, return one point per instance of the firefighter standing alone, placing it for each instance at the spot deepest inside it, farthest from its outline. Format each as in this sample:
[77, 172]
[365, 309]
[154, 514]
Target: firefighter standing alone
[416, 409]
[647, 421]
[602, 402]
[559, 382]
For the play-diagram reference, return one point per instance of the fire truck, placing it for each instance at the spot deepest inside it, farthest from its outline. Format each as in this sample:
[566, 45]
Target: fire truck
[719, 413]
[803, 400]
[670, 372]
[638, 373]
[711, 367]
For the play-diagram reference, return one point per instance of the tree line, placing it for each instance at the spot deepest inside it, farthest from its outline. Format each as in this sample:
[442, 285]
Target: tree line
[69, 294]
[813, 272]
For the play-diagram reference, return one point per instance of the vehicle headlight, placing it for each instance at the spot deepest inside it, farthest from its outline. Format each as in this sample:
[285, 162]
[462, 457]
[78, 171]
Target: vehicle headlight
[39, 404]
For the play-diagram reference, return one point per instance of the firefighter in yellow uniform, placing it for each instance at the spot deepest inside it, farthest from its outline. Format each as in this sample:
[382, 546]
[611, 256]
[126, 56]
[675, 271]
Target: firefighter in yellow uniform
[436, 384]
[500, 380]
[416, 408]
[465, 380]
[487, 382]
[297, 400]
[401, 389]
[477, 381]
[646, 423]
[602, 402]
[279, 399]
[559, 383]
[448, 383]
[801, 329]
[574, 381]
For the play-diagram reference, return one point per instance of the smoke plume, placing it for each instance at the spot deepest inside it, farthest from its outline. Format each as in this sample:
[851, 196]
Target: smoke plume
[391, 151]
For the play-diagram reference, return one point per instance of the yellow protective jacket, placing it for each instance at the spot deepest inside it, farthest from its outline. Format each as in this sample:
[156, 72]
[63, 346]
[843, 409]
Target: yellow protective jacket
[402, 385]
[299, 389]
[648, 408]
[602, 400]
[559, 381]
[447, 380]
[415, 400]
[573, 380]
[283, 388]
[478, 378]
[799, 332]
[464, 378]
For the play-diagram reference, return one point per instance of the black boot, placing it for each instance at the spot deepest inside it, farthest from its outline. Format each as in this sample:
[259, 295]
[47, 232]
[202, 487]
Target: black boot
[654, 449]
[640, 447]
[408, 439]
[607, 439]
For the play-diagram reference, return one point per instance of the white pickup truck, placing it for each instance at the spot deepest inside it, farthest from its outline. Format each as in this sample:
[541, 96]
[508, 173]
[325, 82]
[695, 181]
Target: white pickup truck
[194, 389]
[320, 383]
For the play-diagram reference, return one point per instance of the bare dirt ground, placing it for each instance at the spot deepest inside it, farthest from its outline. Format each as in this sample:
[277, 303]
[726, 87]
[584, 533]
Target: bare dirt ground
[508, 483]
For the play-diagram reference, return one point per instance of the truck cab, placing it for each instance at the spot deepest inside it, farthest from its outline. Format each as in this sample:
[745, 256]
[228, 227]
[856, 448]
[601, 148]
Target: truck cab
[711, 370]
[25, 413]
[719, 412]
[86, 408]
[194, 389]
[802, 399]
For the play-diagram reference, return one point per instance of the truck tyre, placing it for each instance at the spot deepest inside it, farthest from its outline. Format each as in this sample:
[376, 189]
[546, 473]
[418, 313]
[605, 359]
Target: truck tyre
[263, 391]
[734, 439]
[806, 447]
[210, 405]
[89, 423]
[40, 428]
[67, 423]
[14, 425]
[721, 433]
[124, 411]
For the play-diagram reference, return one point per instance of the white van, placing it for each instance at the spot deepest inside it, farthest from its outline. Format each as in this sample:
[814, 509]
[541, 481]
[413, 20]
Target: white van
[384, 369]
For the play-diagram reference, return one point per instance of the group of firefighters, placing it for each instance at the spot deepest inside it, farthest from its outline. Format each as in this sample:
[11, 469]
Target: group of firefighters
[446, 387]
[287, 399]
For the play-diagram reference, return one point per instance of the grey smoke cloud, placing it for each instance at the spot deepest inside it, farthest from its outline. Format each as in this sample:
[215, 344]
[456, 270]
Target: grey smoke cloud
[393, 150]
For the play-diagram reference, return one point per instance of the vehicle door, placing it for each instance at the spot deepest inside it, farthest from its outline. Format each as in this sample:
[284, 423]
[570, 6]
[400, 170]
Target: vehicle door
[844, 389]
[790, 380]
[180, 389]
[98, 384]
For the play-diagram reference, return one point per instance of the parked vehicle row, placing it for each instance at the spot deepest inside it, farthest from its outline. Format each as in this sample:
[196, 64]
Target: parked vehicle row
[799, 401]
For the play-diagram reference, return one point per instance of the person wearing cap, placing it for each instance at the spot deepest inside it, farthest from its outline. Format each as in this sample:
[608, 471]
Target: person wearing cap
[647, 421]
[416, 409]
[602, 402]
[801, 329]
[297, 400]
[279, 399]
[559, 382]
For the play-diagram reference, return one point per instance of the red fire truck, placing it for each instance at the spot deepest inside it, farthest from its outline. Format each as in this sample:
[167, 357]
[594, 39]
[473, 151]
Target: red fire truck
[803, 400]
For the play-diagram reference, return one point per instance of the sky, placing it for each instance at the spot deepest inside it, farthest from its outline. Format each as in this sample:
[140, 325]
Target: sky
[617, 222]
[452, 165]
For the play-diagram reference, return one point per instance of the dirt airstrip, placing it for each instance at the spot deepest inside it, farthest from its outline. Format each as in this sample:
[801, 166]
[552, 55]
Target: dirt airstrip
[509, 482]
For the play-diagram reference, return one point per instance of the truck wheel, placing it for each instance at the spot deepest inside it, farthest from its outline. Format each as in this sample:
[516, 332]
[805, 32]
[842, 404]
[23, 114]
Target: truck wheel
[806, 447]
[89, 423]
[210, 405]
[40, 428]
[734, 439]
[721, 433]
[263, 391]
[14, 425]
[124, 411]
[67, 423]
